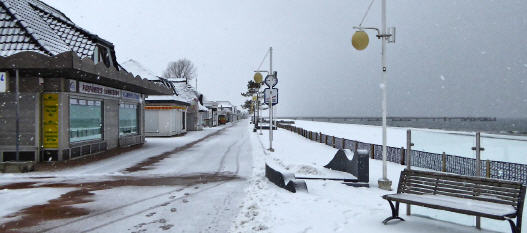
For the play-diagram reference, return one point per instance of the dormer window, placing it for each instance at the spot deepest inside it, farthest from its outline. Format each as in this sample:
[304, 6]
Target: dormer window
[102, 54]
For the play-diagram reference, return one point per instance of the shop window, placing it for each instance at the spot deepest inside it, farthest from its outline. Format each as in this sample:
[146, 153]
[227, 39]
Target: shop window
[85, 120]
[127, 119]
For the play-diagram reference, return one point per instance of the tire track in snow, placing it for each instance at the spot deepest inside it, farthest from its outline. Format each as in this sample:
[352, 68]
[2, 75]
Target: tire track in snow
[243, 140]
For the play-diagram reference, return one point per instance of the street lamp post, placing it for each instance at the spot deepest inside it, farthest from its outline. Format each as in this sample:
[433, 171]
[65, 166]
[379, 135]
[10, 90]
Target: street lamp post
[258, 78]
[360, 41]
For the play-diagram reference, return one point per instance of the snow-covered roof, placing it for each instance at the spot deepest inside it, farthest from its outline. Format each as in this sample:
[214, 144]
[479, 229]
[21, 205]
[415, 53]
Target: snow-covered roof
[185, 91]
[224, 104]
[210, 104]
[154, 98]
[202, 108]
[136, 68]
[31, 25]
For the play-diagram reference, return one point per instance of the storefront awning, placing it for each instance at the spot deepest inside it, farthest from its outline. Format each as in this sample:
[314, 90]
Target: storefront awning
[69, 65]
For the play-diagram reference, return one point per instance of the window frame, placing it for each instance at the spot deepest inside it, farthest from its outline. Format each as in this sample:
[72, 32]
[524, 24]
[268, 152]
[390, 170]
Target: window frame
[86, 100]
[121, 103]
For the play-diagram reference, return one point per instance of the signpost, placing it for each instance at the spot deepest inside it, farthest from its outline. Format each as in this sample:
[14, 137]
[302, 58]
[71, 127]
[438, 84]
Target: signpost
[271, 80]
[270, 94]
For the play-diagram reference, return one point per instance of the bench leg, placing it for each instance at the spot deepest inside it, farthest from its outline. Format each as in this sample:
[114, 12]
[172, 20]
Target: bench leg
[395, 212]
[514, 228]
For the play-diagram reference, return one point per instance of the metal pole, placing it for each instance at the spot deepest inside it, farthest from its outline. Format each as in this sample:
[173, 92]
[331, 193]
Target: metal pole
[17, 94]
[259, 126]
[408, 162]
[386, 184]
[478, 169]
[254, 112]
[271, 102]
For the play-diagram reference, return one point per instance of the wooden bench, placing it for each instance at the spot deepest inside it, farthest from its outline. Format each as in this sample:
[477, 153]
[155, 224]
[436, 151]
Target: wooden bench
[477, 196]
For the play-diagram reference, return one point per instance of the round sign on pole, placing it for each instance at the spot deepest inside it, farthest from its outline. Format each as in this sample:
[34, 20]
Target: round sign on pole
[271, 80]
[258, 77]
[360, 40]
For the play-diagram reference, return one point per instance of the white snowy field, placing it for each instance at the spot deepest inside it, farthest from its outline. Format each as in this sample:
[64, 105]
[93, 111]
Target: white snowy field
[497, 147]
[330, 206]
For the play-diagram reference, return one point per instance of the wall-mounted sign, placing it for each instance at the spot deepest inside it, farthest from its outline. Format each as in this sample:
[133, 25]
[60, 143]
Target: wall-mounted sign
[50, 120]
[3, 82]
[91, 88]
[130, 95]
[72, 85]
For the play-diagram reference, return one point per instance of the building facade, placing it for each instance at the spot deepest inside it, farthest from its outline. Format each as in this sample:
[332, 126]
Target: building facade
[66, 95]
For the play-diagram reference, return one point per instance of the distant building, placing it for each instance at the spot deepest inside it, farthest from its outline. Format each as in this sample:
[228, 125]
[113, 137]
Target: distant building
[170, 115]
[165, 115]
[74, 99]
[227, 111]
[211, 118]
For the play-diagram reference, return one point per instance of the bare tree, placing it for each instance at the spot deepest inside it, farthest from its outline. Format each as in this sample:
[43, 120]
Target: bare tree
[180, 69]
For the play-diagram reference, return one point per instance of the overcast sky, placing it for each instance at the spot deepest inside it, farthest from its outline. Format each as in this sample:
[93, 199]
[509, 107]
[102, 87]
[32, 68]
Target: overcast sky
[451, 58]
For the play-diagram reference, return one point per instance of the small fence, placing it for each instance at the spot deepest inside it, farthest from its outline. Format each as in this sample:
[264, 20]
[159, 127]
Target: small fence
[438, 162]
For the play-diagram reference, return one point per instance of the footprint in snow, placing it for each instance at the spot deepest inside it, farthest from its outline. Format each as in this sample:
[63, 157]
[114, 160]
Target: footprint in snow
[150, 214]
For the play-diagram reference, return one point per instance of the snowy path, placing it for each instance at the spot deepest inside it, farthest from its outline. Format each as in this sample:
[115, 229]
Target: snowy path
[330, 206]
[198, 188]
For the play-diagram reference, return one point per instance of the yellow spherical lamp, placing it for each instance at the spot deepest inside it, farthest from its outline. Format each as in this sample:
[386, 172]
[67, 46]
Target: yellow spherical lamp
[254, 98]
[360, 40]
[258, 78]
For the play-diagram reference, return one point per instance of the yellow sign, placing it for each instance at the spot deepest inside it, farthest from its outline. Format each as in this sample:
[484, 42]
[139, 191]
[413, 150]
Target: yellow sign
[50, 120]
[258, 77]
[360, 40]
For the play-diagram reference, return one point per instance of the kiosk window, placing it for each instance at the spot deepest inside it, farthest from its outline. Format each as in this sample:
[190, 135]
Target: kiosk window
[85, 120]
[127, 119]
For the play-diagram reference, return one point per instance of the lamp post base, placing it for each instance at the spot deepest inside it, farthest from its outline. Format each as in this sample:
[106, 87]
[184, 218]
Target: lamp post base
[385, 184]
[271, 149]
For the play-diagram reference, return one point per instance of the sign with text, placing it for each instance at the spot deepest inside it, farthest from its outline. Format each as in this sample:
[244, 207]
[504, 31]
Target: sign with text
[91, 88]
[72, 85]
[130, 95]
[3, 82]
[273, 93]
[50, 120]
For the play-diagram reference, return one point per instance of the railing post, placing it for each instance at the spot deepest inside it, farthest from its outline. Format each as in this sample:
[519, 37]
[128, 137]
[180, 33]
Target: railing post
[402, 155]
[372, 151]
[488, 169]
[477, 169]
[333, 142]
[409, 145]
[343, 143]
[443, 162]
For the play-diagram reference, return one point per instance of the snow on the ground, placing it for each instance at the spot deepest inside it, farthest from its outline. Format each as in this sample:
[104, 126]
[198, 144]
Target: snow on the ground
[114, 165]
[330, 206]
[497, 147]
[17, 199]
[106, 169]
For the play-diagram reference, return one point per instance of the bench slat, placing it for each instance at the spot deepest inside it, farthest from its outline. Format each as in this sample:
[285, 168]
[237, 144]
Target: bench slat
[466, 191]
[468, 179]
[499, 190]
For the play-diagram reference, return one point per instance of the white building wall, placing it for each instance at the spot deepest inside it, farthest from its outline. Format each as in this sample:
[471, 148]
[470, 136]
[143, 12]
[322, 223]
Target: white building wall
[164, 122]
